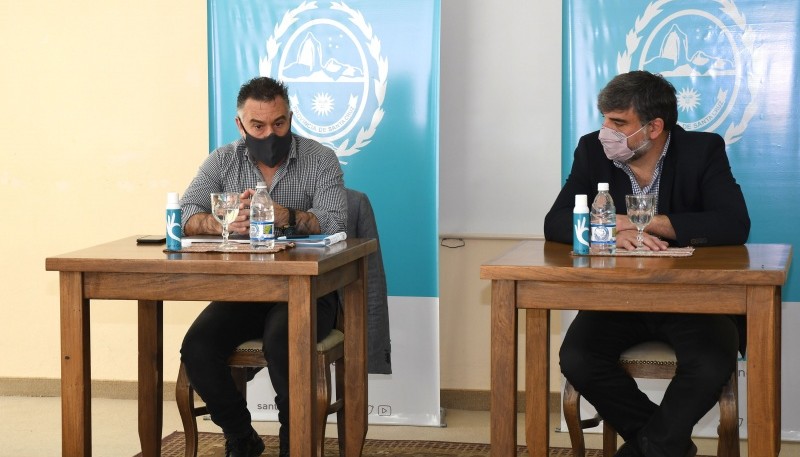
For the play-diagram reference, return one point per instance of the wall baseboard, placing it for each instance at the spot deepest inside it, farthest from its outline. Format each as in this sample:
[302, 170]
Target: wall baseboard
[49, 387]
[479, 400]
[471, 400]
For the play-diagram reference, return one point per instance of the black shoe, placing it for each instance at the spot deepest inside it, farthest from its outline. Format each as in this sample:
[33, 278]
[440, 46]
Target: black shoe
[249, 446]
[629, 449]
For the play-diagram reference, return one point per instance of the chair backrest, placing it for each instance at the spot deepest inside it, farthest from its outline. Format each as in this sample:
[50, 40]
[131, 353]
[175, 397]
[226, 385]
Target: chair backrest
[361, 224]
[650, 360]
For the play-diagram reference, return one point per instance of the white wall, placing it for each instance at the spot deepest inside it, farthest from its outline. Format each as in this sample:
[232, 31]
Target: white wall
[500, 147]
[500, 163]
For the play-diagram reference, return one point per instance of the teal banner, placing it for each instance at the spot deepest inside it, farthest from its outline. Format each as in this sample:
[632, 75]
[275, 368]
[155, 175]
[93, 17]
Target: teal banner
[735, 67]
[363, 79]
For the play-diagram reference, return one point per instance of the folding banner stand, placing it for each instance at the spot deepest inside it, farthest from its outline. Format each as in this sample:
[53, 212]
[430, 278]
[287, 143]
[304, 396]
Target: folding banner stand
[363, 79]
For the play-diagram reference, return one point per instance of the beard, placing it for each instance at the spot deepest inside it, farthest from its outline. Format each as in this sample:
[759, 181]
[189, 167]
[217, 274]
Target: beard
[640, 151]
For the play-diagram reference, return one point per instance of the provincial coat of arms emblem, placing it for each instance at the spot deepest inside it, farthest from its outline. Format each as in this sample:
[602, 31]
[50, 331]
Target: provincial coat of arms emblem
[331, 60]
[707, 51]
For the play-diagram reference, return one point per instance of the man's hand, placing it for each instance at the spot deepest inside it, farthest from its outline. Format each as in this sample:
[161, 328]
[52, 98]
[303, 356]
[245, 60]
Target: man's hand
[660, 227]
[241, 225]
[624, 223]
[626, 239]
[306, 221]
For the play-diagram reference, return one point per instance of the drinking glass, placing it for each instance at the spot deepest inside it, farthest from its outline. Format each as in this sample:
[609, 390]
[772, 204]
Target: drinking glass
[641, 209]
[225, 208]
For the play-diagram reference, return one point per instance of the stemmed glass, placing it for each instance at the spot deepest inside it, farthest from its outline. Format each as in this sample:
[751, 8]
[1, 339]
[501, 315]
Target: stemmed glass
[225, 208]
[641, 209]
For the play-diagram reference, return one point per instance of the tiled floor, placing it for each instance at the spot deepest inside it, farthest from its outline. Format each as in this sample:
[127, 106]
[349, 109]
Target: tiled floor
[31, 427]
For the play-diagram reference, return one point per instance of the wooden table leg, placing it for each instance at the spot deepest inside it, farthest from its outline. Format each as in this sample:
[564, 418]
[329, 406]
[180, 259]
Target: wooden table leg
[537, 377]
[355, 359]
[302, 366]
[503, 408]
[151, 379]
[763, 371]
[76, 387]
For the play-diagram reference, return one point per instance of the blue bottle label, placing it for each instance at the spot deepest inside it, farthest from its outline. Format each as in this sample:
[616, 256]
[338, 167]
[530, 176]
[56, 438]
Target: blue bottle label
[173, 229]
[580, 233]
[262, 231]
[604, 234]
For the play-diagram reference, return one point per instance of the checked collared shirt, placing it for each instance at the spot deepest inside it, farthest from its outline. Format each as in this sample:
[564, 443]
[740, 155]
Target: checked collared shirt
[310, 179]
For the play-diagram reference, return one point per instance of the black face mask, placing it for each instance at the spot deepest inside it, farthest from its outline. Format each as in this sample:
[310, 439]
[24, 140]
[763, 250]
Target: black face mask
[270, 150]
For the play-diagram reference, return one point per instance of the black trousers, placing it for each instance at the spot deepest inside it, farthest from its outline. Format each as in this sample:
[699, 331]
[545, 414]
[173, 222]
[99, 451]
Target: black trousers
[218, 330]
[706, 348]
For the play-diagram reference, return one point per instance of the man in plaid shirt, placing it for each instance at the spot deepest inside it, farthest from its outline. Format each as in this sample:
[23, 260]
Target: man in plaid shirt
[307, 188]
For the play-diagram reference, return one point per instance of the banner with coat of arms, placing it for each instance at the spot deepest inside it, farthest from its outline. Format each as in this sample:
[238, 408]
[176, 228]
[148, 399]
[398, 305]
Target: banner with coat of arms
[363, 79]
[734, 65]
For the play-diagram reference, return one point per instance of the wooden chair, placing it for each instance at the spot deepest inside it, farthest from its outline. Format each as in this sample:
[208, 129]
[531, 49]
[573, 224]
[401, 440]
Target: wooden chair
[652, 360]
[360, 224]
[250, 355]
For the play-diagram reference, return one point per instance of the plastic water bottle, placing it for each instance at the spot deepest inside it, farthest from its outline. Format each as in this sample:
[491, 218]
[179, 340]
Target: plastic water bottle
[262, 219]
[580, 226]
[173, 222]
[604, 222]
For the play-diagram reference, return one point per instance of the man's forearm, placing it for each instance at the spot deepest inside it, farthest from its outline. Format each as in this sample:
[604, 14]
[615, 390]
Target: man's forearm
[305, 222]
[661, 227]
[202, 224]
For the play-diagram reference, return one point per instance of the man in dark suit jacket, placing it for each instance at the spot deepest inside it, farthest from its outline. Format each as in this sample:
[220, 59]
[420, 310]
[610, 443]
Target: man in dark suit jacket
[641, 150]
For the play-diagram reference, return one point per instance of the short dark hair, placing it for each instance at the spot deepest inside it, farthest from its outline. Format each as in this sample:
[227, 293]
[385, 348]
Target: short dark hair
[262, 88]
[650, 96]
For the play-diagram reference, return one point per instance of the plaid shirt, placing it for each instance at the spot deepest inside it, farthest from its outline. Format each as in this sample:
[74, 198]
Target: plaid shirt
[653, 187]
[310, 179]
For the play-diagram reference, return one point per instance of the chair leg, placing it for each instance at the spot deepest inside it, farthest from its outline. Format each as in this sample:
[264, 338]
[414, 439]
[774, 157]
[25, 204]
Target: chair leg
[340, 422]
[184, 397]
[609, 440]
[239, 375]
[728, 431]
[323, 400]
[571, 404]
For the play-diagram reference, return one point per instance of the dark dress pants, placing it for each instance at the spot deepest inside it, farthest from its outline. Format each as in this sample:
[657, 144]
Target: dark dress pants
[706, 348]
[214, 335]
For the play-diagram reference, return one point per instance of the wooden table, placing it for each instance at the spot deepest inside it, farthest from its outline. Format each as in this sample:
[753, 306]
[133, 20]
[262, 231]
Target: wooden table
[541, 276]
[123, 270]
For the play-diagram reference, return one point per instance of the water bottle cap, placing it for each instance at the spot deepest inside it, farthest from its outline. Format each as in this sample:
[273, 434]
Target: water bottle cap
[601, 186]
[261, 185]
[172, 197]
[581, 200]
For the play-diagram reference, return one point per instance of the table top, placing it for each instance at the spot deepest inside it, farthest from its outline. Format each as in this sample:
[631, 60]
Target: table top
[751, 264]
[125, 256]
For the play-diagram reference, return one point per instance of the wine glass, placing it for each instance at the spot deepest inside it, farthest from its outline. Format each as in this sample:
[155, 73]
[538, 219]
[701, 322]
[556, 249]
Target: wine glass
[225, 208]
[641, 209]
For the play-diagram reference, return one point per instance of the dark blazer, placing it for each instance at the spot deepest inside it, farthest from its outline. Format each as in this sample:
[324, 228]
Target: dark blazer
[361, 224]
[697, 192]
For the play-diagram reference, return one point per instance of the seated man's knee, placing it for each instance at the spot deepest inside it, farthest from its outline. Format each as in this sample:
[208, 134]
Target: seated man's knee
[710, 371]
[709, 366]
[198, 350]
[574, 365]
[276, 331]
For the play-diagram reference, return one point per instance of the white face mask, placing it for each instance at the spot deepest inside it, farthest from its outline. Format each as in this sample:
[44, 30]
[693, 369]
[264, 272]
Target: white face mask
[615, 144]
